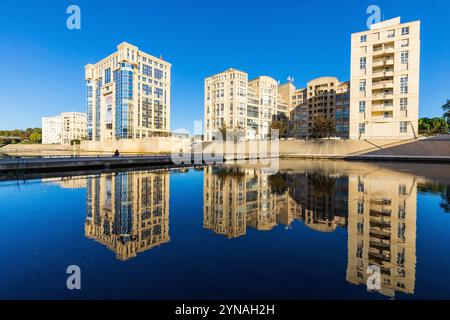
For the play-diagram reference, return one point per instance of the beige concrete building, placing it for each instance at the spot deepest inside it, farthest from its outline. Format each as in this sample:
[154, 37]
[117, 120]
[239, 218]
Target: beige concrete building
[385, 62]
[64, 128]
[245, 107]
[128, 96]
[382, 229]
[128, 212]
[323, 97]
[51, 130]
[74, 126]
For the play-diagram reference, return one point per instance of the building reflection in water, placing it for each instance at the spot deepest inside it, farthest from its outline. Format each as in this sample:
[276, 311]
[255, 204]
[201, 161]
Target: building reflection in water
[378, 207]
[382, 230]
[128, 212]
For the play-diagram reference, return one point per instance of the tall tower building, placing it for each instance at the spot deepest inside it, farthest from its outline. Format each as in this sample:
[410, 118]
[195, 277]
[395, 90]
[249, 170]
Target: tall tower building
[234, 102]
[128, 96]
[384, 100]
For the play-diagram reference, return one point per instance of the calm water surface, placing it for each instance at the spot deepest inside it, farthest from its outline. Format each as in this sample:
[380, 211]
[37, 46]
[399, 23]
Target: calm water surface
[309, 231]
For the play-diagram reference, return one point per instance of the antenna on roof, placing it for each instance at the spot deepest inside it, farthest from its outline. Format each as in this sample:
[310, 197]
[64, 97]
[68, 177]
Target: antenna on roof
[161, 57]
[290, 79]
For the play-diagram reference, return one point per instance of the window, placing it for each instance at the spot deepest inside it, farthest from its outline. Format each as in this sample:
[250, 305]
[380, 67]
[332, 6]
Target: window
[405, 31]
[404, 84]
[108, 75]
[404, 57]
[405, 43]
[362, 128]
[402, 190]
[391, 34]
[363, 38]
[147, 89]
[403, 104]
[147, 70]
[362, 63]
[360, 206]
[362, 85]
[158, 74]
[403, 126]
[360, 186]
[362, 106]
[401, 212]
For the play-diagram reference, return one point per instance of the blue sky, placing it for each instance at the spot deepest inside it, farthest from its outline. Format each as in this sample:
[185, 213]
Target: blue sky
[43, 62]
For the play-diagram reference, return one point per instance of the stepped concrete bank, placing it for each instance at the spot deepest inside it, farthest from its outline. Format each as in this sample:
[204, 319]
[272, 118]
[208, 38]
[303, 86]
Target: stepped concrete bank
[423, 149]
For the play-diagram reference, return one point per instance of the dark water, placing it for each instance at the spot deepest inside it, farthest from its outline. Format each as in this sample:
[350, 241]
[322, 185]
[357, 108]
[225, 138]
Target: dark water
[310, 231]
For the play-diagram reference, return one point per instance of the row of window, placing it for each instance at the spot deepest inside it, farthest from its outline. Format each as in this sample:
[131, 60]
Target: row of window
[389, 34]
[403, 105]
[403, 85]
[403, 127]
[404, 59]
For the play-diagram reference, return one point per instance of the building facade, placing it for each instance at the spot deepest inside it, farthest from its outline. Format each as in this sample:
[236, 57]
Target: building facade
[128, 212]
[51, 130]
[385, 62]
[240, 105]
[73, 126]
[382, 230]
[323, 97]
[128, 96]
[64, 128]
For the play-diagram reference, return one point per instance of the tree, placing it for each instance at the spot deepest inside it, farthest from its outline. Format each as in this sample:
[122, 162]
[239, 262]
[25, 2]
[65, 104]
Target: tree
[433, 126]
[281, 126]
[322, 127]
[35, 137]
[223, 131]
[446, 109]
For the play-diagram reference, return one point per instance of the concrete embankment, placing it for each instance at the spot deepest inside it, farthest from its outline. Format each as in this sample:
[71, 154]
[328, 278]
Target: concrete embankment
[79, 163]
[24, 150]
[425, 149]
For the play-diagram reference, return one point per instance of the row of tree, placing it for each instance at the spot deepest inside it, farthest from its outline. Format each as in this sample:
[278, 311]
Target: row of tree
[437, 125]
[30, 135]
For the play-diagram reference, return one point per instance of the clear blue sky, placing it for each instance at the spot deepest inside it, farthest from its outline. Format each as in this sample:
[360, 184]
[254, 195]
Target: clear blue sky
[43, 62]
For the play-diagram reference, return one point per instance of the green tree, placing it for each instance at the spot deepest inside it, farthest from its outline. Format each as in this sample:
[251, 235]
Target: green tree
[279, 125]
[35, 137]
[433, 126]
[322, 127]
[446, 109]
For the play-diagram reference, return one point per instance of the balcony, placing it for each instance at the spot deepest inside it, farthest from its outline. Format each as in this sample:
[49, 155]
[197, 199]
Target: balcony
[383, 62]
[383, 118]
[383, 96]
[382, 84]
[383, 73]
[383, 107]
[382, 51]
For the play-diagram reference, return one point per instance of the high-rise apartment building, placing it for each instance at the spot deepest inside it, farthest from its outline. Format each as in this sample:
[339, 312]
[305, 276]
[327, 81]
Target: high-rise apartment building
[73, 126]
[51, 130]
[64, 128]
[385, 63]
[241, 105]
[128, 96]
[323, 97]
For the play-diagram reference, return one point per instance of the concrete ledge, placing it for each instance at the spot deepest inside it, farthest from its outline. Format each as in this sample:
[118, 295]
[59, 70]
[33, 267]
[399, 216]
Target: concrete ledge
[74, 163]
